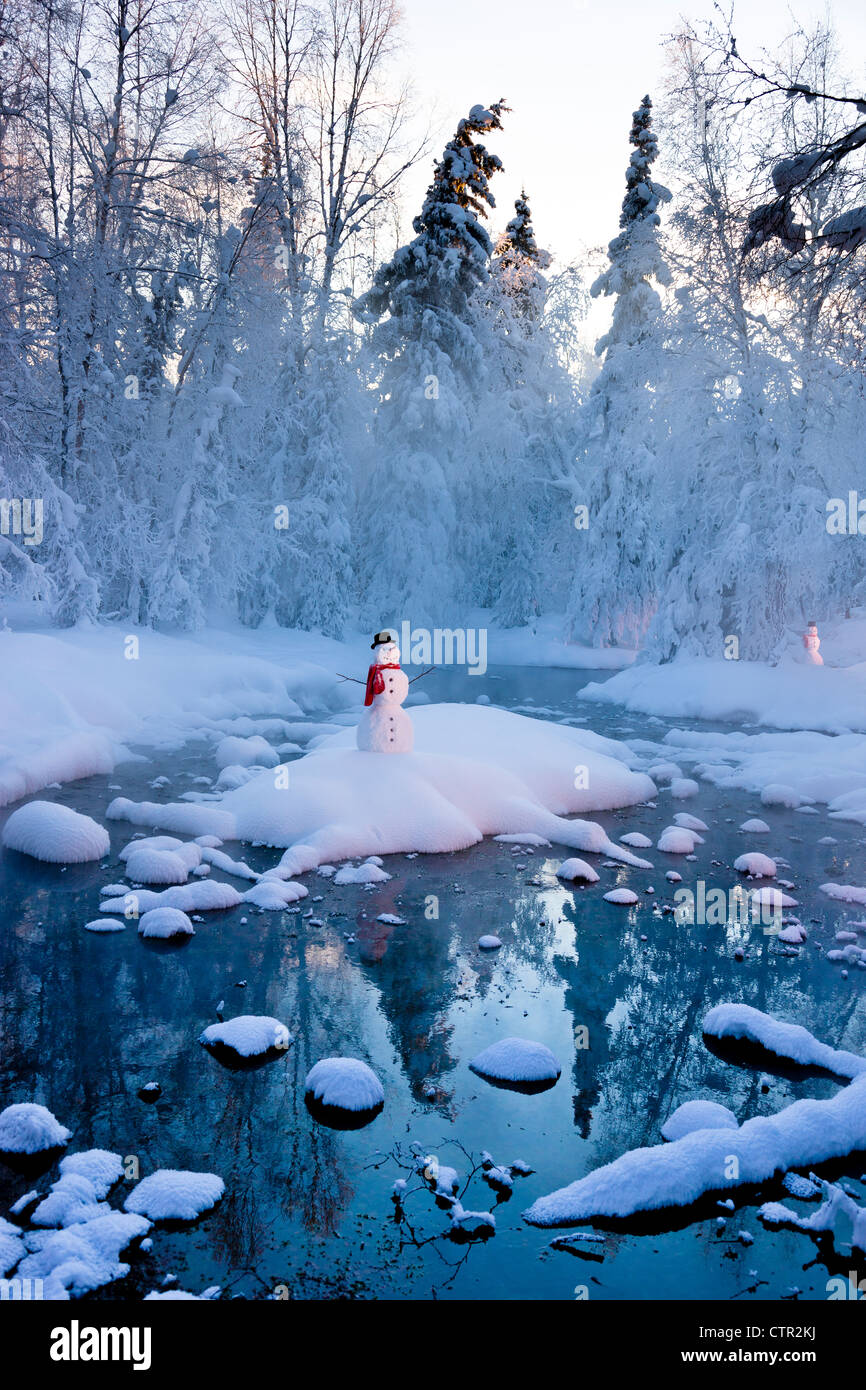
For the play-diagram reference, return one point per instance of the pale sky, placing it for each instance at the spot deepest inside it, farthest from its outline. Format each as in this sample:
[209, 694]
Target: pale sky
[573, 72]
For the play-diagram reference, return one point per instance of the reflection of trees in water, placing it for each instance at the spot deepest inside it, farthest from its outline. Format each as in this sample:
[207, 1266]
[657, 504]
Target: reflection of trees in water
[415, 971]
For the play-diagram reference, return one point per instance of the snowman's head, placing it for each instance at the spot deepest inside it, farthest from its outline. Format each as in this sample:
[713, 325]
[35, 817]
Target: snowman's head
[388, 654]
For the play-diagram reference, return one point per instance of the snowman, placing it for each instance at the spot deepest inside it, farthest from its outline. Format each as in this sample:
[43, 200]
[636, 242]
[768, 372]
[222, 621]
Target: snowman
[812, 642]
[385, 727]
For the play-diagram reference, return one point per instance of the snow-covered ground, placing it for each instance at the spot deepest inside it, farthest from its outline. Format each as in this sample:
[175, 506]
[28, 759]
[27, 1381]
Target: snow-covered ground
[791, 695]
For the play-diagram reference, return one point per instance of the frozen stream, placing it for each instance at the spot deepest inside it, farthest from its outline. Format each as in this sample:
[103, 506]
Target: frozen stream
[86, 1020]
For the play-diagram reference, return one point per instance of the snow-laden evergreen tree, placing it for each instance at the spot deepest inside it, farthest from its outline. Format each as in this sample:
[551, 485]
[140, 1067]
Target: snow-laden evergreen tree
[418, 508]
[521, 428]
[620, 559]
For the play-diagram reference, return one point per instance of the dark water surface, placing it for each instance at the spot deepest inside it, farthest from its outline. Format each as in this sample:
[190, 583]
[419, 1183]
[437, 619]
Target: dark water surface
[85, 1020]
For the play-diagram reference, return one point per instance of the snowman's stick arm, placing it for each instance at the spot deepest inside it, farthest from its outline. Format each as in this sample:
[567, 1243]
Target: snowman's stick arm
[350, 678]
[423, 673]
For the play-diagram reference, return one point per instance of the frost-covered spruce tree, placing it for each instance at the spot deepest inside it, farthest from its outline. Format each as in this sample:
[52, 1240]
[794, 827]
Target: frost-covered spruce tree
[519, 425]
[418, 521]
[621, 556]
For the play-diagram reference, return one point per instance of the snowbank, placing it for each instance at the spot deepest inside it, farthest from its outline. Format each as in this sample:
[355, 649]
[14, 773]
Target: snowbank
[476, 770]
[71, 701]
[787, 696]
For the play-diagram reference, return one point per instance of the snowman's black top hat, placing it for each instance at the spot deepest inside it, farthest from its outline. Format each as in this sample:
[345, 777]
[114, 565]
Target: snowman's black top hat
[380, 639]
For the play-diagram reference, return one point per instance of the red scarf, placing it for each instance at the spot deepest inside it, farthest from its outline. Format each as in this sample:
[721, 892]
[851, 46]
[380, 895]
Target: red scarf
[375, 681]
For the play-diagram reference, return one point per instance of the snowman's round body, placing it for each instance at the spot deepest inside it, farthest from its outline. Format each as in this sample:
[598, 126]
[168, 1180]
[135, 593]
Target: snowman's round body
[385, 727]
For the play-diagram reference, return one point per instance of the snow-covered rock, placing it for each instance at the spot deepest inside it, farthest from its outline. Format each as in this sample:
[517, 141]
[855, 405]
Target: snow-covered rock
[249, 1035]
[274, 894]
[27, 1128]
[625, 897]
[54, 833]
[156, 866]
[756, 865]
[489, 943]
[755, 827]
[100, 1166]
[72, 1199]
[360, 873]
[204, 895]
[165, 922]
[683, 787]
[172, 1194]
[698, 1114]
[517, 1060]
[84, 1257]
[105, 924]
[772, 898]
[689, 822]
[577, 870]
[344, 1083]
[636, 840]
[676, 839]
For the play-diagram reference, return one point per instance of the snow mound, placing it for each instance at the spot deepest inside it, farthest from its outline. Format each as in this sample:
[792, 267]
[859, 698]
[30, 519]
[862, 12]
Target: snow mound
[476, 770]
[55, 834]
[625, 897]
[105, 924]
[245, 752]
[361, 873]
[345, 1083]
[205, 895]
[683, 787]
[28, 1128]
[688, 822]
[173, 1194]
[756, 865]
[676, 839]
[72, 1199]
[100, 1166]
[165, 922]
[844, 892]
[274, 894]
[517, 1060]
[755, 827]
[698, 1114]
[84, 1257]
[636, 840]
[574, 869]
[156, 866]
[489, 943]
[249, 1035]
[781, 794]
[773, 898]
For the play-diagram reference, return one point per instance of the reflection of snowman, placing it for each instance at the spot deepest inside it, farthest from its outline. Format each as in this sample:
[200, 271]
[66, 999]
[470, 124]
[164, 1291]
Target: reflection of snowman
[385, 727]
